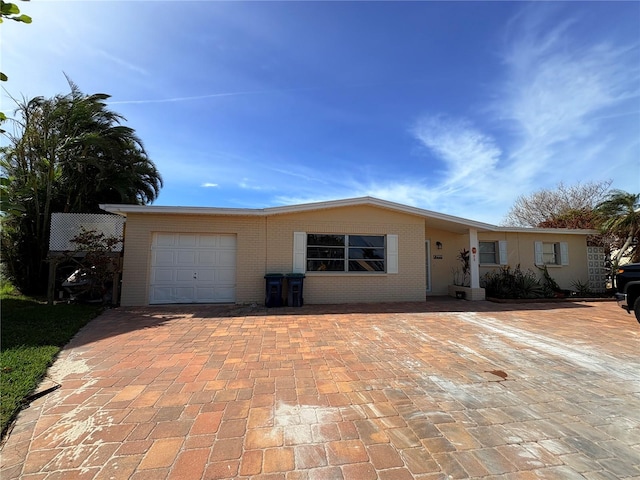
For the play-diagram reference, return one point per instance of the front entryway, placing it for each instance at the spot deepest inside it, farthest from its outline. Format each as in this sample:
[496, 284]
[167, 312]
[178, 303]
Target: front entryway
[192, 268]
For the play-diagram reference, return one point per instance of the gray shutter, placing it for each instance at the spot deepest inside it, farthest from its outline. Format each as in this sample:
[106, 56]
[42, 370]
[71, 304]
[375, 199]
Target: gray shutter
[392, 253]
[503, 255]
[299, 252]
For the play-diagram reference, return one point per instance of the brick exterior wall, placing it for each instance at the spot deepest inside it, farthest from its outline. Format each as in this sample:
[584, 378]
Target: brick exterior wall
[407, 285]
[521, 250]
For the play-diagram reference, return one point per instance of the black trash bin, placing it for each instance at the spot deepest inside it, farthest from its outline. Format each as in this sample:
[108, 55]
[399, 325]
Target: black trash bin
[295, 284]
[273, 289]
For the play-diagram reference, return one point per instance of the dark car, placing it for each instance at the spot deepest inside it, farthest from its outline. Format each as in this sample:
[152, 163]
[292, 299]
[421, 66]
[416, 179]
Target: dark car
[628, 288]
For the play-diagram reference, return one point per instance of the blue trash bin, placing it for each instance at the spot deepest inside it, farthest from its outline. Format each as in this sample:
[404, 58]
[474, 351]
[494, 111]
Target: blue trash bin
[295, 285]
[273, 290]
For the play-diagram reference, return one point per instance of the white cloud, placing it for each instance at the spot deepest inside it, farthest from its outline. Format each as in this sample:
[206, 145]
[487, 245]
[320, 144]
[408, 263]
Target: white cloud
[209, 185]
[556, 90]
[408, 194]
[257, 185]
[555, 103]
[469, 154]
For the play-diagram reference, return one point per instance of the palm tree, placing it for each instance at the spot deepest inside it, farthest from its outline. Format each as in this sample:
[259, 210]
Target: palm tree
[619, 214]
[70, 154]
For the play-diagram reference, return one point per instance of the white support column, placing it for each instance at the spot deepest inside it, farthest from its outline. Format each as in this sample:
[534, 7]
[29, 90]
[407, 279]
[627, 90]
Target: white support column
[474, 258]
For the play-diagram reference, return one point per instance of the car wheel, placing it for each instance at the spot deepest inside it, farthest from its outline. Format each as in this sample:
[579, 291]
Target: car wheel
[636, 308]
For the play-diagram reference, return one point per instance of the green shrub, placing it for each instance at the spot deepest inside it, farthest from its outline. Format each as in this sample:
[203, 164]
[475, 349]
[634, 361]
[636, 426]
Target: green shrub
[550, 287]
[516, 283]
[582, 289]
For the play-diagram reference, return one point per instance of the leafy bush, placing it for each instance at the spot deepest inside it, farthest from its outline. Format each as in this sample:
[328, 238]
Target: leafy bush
[516, 283]
[582, 289]
[550, 287]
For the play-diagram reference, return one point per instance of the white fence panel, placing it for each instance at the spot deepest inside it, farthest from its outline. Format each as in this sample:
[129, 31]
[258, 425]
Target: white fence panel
[65, 226]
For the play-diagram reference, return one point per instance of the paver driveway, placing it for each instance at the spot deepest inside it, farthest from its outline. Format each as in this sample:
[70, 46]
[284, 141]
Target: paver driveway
[443, 389]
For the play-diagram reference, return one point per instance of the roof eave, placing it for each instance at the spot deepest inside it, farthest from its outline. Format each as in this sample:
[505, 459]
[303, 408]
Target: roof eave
[564, 231]
[351, 202]
[149, 209]
[124, 210]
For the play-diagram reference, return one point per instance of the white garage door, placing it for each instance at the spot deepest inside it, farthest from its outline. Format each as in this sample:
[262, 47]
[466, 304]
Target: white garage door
[193, 268]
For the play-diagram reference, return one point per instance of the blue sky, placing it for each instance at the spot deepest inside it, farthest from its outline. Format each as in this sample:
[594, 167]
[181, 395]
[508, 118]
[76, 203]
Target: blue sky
[458, 107]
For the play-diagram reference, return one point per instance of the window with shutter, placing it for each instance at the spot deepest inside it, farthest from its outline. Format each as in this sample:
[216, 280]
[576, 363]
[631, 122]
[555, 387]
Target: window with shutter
[324, 252]
[551, 253]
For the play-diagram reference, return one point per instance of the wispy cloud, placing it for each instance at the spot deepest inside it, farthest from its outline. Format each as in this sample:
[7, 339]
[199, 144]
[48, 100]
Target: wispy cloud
[183, 99]
[257, 185]
[209, 185]
[468, 153]
[400, 192]
[121, 62]
[214, 95]
[556, 90]
[552, 102]
[303, 173]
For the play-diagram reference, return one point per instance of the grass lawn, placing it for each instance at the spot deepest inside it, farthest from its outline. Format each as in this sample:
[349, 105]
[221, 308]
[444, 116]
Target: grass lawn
[31, 336]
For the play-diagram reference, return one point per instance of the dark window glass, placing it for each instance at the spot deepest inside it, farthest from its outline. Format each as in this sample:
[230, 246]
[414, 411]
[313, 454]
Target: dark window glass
[366, 241]
[325, 240]
[324, 252]
[325, 265]
[366, 253]
[365, 266]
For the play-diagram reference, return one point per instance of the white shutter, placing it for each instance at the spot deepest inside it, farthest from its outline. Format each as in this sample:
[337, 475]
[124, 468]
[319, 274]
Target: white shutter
[299, 252]
[564, 253]
[539, 260]
[392, 253]
[503, 256]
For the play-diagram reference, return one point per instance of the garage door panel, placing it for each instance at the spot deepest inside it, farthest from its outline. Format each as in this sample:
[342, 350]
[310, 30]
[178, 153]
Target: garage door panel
[207, 257]
[163, 257]
[186, 257]
[187, 240]
[206, 276]
[163, 275]
[173, 294]
[208, 241]
[162, 294]
[165, 239]
[206, 294]
[184, 295]
[184, 275]
[193, 268]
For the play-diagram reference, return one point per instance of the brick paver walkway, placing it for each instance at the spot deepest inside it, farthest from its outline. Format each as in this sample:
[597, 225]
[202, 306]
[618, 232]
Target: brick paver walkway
[443, 389]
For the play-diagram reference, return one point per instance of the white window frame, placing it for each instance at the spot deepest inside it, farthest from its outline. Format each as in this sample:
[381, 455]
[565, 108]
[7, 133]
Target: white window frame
[560, 254]
[300, 255]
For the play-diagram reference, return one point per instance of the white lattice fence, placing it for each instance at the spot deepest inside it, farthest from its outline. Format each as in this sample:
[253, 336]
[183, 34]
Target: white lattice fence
[65, 226]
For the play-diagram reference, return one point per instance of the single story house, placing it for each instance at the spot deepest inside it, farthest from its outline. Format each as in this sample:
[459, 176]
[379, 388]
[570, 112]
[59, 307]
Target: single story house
[353, 250]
